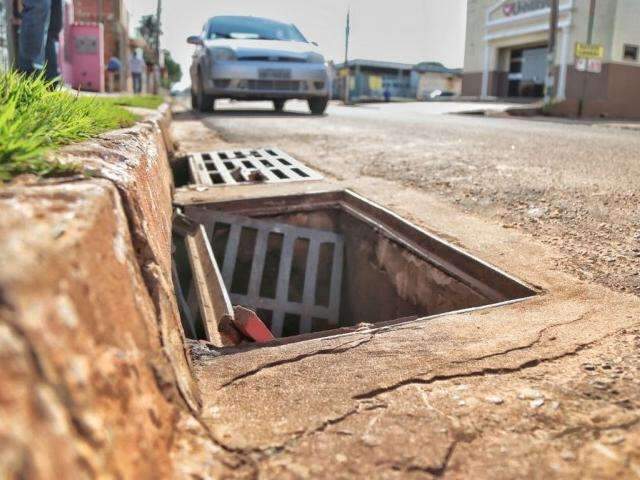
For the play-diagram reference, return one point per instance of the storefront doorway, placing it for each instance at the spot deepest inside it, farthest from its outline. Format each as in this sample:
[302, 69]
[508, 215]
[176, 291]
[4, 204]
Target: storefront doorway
[527, 71]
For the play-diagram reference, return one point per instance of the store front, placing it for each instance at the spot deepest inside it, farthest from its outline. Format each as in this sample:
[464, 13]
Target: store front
[527, 72]
[506, 48]
[506, 55]
[515, 48]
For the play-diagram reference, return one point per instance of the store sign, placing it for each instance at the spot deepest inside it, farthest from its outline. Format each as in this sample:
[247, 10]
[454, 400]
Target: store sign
[511, 9]
[589, 51]
[375, 82]
[590, 65]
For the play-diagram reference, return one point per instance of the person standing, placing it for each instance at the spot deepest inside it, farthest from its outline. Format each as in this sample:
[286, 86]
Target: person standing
[387, 94]
[136, 66]
[40, 25]
[114, 67]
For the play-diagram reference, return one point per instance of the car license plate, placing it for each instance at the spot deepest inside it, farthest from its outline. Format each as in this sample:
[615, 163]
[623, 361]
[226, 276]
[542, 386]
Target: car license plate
[274, 74]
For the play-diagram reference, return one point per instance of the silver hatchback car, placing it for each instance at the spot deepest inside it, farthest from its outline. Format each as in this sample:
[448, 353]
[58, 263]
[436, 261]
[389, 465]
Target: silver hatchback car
[251, 58]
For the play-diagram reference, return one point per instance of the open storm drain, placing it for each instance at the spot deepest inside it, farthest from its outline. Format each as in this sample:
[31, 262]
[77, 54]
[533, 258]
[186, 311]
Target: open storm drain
[318, 262]
[245, 167]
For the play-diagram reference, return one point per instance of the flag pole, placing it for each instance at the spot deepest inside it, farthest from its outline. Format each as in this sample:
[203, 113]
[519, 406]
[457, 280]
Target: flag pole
[346, 57]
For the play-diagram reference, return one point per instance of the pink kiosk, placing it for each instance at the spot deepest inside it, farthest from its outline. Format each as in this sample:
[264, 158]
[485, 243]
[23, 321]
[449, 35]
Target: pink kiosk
[87, 57]
[81, 54]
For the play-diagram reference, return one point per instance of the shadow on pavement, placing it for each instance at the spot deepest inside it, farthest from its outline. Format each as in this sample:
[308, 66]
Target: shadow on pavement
[254, 113]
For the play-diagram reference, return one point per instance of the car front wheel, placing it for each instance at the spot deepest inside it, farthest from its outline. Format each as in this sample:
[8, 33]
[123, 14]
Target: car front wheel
[278, 105]
[205, 103]
[318, 105]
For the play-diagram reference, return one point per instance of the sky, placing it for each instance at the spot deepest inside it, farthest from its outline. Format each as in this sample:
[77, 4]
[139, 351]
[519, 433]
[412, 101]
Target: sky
[407, 31]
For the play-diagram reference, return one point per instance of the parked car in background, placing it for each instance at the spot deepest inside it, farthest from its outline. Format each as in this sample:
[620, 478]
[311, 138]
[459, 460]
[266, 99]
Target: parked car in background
[251, 58]
[436, 94]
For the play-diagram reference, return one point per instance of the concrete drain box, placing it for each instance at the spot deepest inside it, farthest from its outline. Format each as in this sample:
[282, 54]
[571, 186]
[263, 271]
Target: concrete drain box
[320, 261]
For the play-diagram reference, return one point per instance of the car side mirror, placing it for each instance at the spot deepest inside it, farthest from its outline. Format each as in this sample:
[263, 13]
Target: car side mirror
[195, 40]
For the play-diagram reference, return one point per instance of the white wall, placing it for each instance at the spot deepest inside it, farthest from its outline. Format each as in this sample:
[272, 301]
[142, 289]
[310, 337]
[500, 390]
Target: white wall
[627, 29]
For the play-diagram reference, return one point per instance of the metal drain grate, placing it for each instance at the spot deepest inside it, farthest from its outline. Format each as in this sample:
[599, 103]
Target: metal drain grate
[305, 291]
[238, 167]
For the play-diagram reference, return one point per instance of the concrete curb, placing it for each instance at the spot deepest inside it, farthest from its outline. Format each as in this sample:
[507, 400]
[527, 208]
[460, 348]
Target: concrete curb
[89, 320]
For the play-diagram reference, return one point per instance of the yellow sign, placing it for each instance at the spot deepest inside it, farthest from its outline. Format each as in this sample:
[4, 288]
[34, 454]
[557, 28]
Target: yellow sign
[343, 72]
[593, 51]
[375, 82]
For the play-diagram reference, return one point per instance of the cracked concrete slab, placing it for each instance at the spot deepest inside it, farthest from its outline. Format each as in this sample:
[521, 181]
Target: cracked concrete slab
[541, 388]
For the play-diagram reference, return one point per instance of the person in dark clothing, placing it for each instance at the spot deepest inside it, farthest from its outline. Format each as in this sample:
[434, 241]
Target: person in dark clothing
[52, 70]
[41, 23]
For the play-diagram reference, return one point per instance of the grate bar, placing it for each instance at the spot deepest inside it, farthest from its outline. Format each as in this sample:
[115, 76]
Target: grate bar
[198, 171]
[282, 289]
[280, 305]
[257, 267]
[314, 311]
[231, 254]
[310, 282]
[336, 282]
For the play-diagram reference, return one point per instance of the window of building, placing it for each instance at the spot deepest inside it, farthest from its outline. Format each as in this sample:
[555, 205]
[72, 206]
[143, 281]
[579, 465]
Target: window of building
[630, 53]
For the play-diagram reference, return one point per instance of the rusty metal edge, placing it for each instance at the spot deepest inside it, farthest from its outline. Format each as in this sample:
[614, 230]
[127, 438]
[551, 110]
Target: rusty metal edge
[484, 278]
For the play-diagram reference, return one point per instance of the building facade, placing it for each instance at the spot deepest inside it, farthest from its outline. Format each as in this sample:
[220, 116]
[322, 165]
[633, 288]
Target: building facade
[433, 76]
[506, 54]
[369, 79]
[113, 16]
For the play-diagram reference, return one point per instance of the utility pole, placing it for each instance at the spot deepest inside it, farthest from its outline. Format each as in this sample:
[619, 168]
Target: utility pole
[585, 74]
[550, 83]
[12, 48]
[346, 58]
[156, 83]
[158, 27]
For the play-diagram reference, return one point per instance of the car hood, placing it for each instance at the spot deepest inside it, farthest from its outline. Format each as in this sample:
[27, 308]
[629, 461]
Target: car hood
[259, 48]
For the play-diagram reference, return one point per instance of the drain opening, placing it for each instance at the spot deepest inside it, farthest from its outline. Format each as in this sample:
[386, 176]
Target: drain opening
[318, 262]
[277, 267]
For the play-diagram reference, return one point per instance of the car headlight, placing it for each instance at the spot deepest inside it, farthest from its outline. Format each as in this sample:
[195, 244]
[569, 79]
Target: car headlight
[222, 54]
[314, 57]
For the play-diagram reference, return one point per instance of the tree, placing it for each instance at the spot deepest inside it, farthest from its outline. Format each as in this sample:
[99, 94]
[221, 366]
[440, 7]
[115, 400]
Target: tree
[172, 69]
[148, 30]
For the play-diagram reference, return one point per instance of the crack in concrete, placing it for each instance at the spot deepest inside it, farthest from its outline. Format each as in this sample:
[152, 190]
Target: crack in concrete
[262, 453]
[437, 471]
[522, 347]
[481, 373]
[242, 455]
[345, 347]
[592, 428]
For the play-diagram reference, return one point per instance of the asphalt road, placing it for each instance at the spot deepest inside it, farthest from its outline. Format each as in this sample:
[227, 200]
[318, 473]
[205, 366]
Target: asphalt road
[573, 185]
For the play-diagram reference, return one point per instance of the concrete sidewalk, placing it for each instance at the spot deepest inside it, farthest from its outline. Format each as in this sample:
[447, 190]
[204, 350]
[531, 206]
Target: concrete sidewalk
[543, 388]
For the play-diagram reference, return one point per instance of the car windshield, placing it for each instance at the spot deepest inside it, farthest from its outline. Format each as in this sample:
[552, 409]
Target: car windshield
[252, 28]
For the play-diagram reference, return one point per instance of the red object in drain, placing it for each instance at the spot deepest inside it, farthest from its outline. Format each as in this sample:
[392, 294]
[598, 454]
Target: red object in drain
[250, 324]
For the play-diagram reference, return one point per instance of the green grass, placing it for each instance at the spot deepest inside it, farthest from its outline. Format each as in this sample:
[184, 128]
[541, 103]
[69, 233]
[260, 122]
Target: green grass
[140, 101]
[36, 118]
